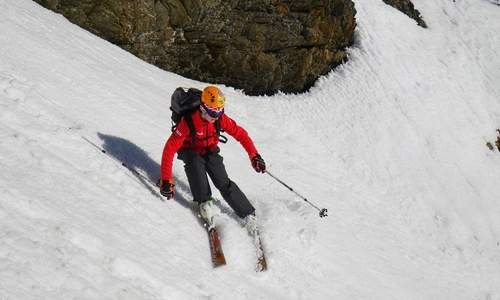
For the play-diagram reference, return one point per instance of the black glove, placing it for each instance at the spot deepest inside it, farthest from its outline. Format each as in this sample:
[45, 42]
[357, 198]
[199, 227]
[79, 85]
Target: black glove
[258, 163]
[167, 188]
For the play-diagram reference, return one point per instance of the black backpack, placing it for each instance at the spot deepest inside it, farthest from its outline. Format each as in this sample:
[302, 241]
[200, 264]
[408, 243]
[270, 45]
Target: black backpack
[183, 104]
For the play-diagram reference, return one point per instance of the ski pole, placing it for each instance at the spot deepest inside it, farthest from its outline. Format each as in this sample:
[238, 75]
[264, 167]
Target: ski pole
[322, 212]
[132, 169]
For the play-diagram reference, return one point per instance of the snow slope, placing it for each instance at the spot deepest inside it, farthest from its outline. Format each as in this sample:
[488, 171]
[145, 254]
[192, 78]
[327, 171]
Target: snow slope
[393, 143]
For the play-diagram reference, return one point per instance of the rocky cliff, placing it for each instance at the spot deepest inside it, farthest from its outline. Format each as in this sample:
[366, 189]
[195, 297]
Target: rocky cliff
[258, 46]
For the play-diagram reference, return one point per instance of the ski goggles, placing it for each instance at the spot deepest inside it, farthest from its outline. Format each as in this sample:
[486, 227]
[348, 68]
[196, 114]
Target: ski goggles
[214, 112]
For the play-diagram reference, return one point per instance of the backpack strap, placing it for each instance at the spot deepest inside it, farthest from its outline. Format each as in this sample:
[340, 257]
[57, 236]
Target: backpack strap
[192, 131]
[222, 138]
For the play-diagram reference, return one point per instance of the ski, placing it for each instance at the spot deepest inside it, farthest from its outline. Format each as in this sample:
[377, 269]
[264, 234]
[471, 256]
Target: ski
[216, 253]
[261, 264]
[250, 223]
[261, 258]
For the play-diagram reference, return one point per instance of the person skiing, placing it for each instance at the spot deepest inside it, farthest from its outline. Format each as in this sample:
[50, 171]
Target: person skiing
[202, 158]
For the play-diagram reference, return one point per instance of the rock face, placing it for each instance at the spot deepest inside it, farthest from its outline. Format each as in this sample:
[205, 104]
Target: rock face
[259, 46]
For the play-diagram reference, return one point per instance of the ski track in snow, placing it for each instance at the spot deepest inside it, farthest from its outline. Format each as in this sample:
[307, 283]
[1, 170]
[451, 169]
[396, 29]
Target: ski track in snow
[392, 142]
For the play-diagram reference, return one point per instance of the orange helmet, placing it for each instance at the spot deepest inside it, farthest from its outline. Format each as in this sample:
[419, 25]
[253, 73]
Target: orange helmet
[213, 97]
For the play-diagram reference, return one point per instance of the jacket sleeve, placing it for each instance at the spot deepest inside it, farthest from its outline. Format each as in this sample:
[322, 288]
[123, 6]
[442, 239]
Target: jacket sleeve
[238, 133]
[171, 147]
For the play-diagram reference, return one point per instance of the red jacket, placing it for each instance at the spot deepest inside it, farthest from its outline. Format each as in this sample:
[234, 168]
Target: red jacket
[206, 139]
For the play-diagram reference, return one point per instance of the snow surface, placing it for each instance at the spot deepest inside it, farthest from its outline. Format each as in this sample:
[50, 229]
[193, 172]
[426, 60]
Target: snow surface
[393, 143]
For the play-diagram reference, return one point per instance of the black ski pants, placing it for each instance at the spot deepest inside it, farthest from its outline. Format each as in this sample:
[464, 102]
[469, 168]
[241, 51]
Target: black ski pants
[198, 166]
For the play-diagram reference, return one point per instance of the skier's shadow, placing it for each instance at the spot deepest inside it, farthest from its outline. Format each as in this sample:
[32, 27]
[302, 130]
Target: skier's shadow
[133, 156]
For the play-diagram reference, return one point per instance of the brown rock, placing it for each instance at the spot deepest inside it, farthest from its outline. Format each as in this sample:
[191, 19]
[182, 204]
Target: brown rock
[259, 46]
[407, 7]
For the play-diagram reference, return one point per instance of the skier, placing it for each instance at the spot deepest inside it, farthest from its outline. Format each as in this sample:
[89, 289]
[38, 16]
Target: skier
[203, 158]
